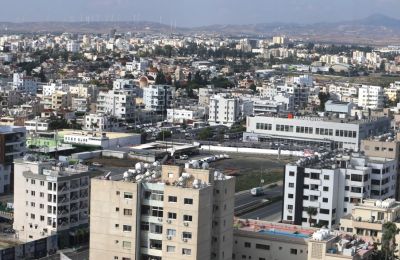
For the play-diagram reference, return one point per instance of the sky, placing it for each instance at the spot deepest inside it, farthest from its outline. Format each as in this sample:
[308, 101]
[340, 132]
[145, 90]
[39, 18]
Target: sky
[191, 13]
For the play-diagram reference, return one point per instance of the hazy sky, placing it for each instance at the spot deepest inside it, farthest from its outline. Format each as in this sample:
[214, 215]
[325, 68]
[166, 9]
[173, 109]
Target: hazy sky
[197, 12]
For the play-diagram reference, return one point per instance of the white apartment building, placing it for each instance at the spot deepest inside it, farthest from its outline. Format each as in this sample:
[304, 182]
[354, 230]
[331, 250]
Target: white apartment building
[13, 146]
[118, 102]
[36, 125]
[169, 213]
[52, 197]
[73, 46]
[183, 115]
[99, 123]
[51, 88]
[333, 185]
[371, 97]
[341, 133]
[224, 110]
[158, 98]
[24, 84]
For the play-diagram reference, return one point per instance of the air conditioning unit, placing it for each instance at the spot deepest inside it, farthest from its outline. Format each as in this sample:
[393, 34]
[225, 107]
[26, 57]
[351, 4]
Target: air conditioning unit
[290, 210]
[160, 219]
[169, 237]
[169, 221]
[184, 239]
[186, 224]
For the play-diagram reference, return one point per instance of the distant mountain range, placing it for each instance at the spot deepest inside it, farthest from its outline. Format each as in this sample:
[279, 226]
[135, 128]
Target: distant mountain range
[376, 29]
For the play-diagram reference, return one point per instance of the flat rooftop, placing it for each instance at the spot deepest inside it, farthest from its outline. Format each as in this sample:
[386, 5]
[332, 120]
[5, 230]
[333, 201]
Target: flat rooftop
[111, 135]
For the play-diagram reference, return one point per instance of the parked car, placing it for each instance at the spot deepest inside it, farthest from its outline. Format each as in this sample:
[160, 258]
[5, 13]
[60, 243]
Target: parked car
[184, 157]
[97, 164]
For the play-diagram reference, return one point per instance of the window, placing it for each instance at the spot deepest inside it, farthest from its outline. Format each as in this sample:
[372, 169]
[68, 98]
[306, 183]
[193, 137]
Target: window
[41, 183]
[262, 246]
[325, 188]
[170, 249]
[117, 209]
[127, 212]
[290, 196]
[326, 177]
[188, 201]
[291, 185]
[290, 206]
[293, 251]
[186, 251]
[291, 173]
[187, 235]
[247, 244]
[127, 228]
[145, 226]
[172, 199]
[187, 218]
[325, 200]
[324, 211]
[171, 232]
[171, 215]
[126, 244]
[128, 195]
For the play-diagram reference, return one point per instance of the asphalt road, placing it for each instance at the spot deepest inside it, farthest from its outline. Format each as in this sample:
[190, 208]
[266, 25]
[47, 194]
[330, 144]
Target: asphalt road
[245, 197]
[271, 212]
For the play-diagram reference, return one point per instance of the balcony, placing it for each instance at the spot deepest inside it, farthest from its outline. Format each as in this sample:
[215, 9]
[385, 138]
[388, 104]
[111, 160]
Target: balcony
[313, 181]
[312, 193]
[314, 204]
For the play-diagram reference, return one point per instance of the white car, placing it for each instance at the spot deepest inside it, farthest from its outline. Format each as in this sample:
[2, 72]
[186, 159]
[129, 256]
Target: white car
[97, 164]
[184, 157]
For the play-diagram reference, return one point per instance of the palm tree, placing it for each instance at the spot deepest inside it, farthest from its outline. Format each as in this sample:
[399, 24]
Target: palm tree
[389, 232]
[311, 212]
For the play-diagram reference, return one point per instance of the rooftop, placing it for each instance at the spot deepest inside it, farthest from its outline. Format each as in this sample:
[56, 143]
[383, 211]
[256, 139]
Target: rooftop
[111, 135]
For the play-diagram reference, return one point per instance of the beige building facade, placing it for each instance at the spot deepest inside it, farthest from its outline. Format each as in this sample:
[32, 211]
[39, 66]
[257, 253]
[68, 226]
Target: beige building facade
[179, 213]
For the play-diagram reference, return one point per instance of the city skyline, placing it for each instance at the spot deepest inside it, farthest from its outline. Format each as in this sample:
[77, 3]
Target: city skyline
[180, 13]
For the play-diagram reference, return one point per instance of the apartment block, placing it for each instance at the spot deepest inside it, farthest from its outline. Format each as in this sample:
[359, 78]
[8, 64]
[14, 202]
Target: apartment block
[158, 98]
[52, 197]
[332, 185]
[167, 212]
[367, 218]
[262, 240]
[224, 110]
[12, 146]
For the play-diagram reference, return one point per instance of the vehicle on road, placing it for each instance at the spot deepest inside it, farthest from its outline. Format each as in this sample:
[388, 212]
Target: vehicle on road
[257, 191]
[183, 157]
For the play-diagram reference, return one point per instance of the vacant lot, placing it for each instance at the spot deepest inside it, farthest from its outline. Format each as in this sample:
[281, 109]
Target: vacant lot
[250, 169]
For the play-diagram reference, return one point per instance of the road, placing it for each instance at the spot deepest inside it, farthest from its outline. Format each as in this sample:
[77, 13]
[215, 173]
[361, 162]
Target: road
[271, 212]
[245, 196]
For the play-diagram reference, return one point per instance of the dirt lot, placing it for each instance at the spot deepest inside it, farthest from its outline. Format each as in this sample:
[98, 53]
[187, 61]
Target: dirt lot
[249, 170]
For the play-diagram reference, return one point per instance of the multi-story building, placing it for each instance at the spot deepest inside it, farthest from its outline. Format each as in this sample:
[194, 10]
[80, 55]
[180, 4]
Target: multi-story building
[261, 240]
[183, 115]
[60, 100]
[73, 46]
[24, 84]
[371, 97]
[328, 131]
[332, 185]
[52, 197]
[12, 146]
[169, 213]
[384, 146]
[158, 98]
[36, 125]
[118, 102]
[224, 110]
[367, 218]
[100, 123]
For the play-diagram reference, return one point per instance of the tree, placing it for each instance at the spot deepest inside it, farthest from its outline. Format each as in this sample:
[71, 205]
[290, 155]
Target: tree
[254, 88]
[164, 135]
[389, 232]
[205, 134]
[323, 97]
[311, 212]
[160, 78]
